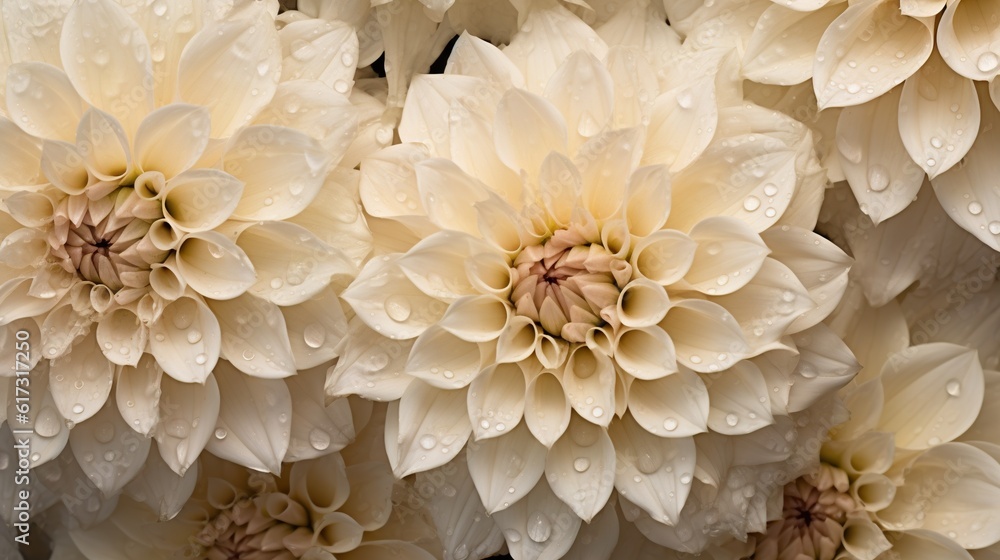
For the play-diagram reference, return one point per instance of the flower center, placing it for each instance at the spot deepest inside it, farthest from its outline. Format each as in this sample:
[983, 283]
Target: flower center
[101, 239]
[565, 284]
[813, 517]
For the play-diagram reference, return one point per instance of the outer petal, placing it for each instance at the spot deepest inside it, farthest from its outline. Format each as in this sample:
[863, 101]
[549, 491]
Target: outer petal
[539, 526]
[254, 336]
[496, 400]
[967, 45]
[681, 124]
[869, 31]
[651, 469]
[940, 380]
[546, 408]
[188, 413]
[107, 58]
[675, 406]
[404, 312]
[320, 49]
[506, 468]
[24, 154]
[122, 337]
[706, 336]
[41, 100]
[200, 199]
[825, 365]
[433, 426]
[282, 170]
[582, 90]
[527, 128]
[729, 255]
[80, 381]
[317, 429]
[578, 465]
[49, 433]
[186, 340]
[137, 393]
[315, 329]
[938, 116]
[231, 67]
[214, 266]
[257, 413]
[370, 366]
[160, 488]
[108, 451]
[783, 44]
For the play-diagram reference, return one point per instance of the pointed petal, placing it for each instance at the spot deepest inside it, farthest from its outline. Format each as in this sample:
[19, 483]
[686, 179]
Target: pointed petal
[108, 451]
[651, 469]
[681, 125]
[496, 400]
[42, 101]
[578, 465]
[582, 90]
[447, 193]
[539, 526]
[160, 488]
[648, 200]
[172, 138]
[389, 302]
[675, 406]
[472, 56]
[606, 163]
[664, 257]
[315, 329]
[317, 429]
[589, 381]
[104, 145]
[200, 199]
[370, 501]
[735, 400]
[507, 467]
[254, 336]
[783, 44]
[257, 412]
[825, 365]
[231, 67]
[527, 128]
[645, 353]
[546, 408]
[182, 321]
[138, 394]
[729, 255]
[188, 413]
[849, 38]
[443, 360]
[320, 49]
[80, 381]
[965, 44]
[706, 337]
[370, 366]
[214, 266]
[433, 428]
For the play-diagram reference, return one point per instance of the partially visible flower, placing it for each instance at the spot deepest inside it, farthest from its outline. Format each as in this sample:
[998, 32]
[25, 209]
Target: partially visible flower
[170, 204]
[588, 271]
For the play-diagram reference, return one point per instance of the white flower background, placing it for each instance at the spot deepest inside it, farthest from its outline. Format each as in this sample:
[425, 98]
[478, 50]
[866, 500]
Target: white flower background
[529, 279]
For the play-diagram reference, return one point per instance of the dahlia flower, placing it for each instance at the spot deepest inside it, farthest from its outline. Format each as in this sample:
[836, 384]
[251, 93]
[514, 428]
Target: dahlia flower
[878, 59]
[582, 270]
[344, 505]
[170, 205]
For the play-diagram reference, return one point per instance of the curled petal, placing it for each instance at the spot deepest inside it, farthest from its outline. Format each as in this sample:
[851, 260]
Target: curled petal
[104, 146]
[645, 353]
[648, 200]
[321, 484]
[476, 318]
[664, 256]
[214, 266]
[589, 381]
[729, 255]
[200, 199]
[171, 139]
[967, 46]
[507, 467]
[186, 340]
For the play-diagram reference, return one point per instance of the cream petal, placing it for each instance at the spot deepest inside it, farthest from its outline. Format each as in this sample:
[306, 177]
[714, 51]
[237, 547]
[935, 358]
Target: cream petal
[49, 432]
[404, 312]
[942, 380]
[735, 400]
[22, 165]
[40, 41]
[232, 68]
[388, 184]
[214, 266]
[433, 428]
[706, 337]
[527, 129]
[160, 488]
[370, 501]
[651, 469]
[645, 353]
[472, 56]
[62, 326]
[470, 135]
[292, 264]
[200, 199]
[783, 44]
[926, 545]
[546, 408]
[589, 381]
[507, 467]
[254, 336]
[598, 538]
[318, 49]
[642, 303]
[107, 58]
[983, 428]
[583, 91]
[122, 337]
[767, 306]
[137, 394]
[560, 183]
[967, 46]
[851, 38]
[728, 256]
[315, 329]
[30, 209]
[873, 157]
[682, 122]
[108, 451]
[64, 167]
[517, 341]
[965, 483]
[320, 485]
[24, 248]
[80, 381]
[636, 87]
[496, 401]
[501, 226]
[335, 216]
[825, 365]
[183, 321]
[188, 413]
[447, 193]
[606, 162]
[432, 102]
[578, 465]
[10, 352]
[42, 101]
[370, 366]
[539, 526]
[873, 492]
[437, 264]
[443, 360]
[309, 106]
[265, 157]
[476, 318]
[921, 8]
[376, 550]
[172, 138]
[104, 145]
[664, 256]
[648, 200]
[257, 413]
[938, 116]
[547, 35]
[317, 429]
[674, 406]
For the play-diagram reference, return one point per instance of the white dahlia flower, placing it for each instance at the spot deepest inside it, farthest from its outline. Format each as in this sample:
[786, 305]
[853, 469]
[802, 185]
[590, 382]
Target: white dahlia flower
[598, 279]
[911, 109]
[170, 205]
[341, 505]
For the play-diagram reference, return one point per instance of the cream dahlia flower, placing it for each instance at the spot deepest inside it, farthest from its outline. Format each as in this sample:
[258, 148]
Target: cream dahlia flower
[878, 59]
[341, 505]
[170, 205]
[583, 271]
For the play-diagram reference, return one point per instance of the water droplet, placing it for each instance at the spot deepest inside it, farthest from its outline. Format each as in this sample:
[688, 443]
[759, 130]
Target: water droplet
[670, 424]
[581, 464]
[686, 478]
[319, 439]
[341, 86]
[987, 62]
[177, 429]
[428, 442]
[276, 283]
[597, 412]
[853, 88]
[77, 408]
[995, 228]
[878, 178]
[732, 420]
[695, 359]
[770, 189]
[221, 433]
[539, 528]
[975, 208]
[397, 307]
[751, 203]
[248, 354]
[954, 388]
[200, 359]
[314, 335]
[512, 536]
[104, 433]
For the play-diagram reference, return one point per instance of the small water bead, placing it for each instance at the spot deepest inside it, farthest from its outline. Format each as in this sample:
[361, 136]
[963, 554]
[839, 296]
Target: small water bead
[200, 359]
[670, 424]
[319, 439]
[878, 178]
[686, 478]
[77, 408]
[695, 359]
[276, 283]
[221, 433]
[512, 536]
[581, 464]
[539, 527]
[314, 335]
[751, 203]
[248, 354]
[501, 426]
[953, 388]
[770, 212]
[770, 189]
[732, 419]
[975, 208]
[597, 412]
[428, 442]
[994, 228]
[397, 307]
[987, 62]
